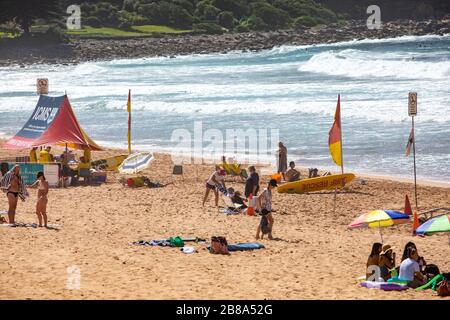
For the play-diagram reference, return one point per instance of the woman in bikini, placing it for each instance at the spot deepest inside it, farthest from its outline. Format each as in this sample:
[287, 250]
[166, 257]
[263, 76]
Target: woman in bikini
[14, 187]
[41, 205]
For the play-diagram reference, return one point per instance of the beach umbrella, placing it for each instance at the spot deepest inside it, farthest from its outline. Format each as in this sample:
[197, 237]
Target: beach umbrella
[380, 219]
[438, 224]
[136, 162]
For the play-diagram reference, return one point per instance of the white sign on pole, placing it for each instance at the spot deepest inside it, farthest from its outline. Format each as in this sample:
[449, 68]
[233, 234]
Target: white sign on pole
[412, 103]
[42, 86]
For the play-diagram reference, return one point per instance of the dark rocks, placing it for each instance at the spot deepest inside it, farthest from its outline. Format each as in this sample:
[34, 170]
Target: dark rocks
[79, 50]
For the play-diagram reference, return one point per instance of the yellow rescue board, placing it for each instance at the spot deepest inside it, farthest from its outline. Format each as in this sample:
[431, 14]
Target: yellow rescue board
[108, 164]
[331, 182]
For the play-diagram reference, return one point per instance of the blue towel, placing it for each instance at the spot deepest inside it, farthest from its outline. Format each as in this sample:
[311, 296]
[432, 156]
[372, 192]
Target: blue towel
[245, 246]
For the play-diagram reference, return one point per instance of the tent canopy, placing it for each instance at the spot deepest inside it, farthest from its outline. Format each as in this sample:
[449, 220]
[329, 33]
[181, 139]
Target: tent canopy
[52, 122]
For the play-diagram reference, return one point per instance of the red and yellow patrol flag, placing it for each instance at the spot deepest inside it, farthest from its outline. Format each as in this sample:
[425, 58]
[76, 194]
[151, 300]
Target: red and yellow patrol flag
[335, 136]
[129, 120]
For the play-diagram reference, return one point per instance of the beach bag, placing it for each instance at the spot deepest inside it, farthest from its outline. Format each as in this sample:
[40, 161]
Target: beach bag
[219, 245]
[444, 288]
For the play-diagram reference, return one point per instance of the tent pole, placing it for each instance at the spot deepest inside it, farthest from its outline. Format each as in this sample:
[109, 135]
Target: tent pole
[381, 232]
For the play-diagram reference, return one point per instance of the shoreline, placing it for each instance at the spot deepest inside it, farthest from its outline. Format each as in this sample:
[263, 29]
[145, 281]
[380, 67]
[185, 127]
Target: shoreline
[268, 168]
[17, 53]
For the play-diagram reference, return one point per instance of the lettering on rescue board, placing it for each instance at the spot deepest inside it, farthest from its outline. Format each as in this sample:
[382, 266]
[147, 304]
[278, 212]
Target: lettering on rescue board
[324, 184]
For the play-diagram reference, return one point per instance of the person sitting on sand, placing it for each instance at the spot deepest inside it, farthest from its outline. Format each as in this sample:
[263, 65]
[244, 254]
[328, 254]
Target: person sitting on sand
[12, 183]
[386, 262]
[410, 270]
[238, 199]
[292, 174]
[265, 203]
[41, 205]
[421, 260]
[217, 178]
[374, 258]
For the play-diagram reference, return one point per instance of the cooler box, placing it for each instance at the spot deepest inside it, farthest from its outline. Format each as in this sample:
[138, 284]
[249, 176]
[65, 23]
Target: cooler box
[98, 177]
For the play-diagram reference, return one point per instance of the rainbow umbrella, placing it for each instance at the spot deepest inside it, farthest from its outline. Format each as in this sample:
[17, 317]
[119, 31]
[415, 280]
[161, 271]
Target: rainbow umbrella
[438, 224]
[379, 219]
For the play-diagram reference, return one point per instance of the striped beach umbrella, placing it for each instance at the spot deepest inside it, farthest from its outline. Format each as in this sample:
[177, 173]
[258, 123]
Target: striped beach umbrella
[438, 224]
[379, 219]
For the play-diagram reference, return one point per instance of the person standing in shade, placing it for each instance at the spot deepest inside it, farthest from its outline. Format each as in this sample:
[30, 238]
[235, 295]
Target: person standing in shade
[282, 159]
[252, 183]
[33, 155]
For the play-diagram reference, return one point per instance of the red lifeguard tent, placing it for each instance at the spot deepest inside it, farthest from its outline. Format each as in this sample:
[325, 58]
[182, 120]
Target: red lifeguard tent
[52, 122]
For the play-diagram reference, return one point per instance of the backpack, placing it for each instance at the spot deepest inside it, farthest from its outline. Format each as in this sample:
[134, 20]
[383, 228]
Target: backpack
[219, 245]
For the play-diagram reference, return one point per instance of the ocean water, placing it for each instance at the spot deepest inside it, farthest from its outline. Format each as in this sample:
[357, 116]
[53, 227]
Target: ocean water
[292, 89]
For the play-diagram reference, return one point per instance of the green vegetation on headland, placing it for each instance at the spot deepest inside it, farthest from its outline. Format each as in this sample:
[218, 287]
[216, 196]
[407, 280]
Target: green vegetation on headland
[140, 18]
[135, 31]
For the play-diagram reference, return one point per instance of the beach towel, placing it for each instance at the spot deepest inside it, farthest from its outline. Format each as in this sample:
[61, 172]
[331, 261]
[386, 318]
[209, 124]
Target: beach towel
[5, 183]
[152, 243]
[386, 286]
[245, 246]
[229, 211]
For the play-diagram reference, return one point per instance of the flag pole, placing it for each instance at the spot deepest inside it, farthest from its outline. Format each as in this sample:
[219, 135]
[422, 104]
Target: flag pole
[129, 120]
[414, 155]
[340, 125]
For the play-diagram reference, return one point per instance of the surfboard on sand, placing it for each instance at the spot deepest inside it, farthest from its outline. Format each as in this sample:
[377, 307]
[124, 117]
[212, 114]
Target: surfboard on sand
[109, 164]
[331, 182]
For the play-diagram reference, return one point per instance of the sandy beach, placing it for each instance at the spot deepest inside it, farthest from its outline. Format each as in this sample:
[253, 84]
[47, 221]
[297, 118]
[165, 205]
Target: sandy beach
[315, 256]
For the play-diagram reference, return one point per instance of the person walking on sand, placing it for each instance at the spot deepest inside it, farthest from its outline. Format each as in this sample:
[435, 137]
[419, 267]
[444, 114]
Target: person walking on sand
[41, 204]
[265, 203]
[282, 159]
[15, 188]
[217, 178]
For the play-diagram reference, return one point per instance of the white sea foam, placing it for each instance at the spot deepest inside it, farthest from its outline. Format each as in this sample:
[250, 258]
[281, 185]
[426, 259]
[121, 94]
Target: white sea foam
[366, 65]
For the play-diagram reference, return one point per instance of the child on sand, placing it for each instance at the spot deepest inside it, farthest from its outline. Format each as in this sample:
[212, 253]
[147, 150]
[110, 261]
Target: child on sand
[41, 205]
[265, 203]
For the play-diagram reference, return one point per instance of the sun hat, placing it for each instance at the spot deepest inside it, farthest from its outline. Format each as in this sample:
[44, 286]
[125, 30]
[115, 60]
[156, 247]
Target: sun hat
[386, 248]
